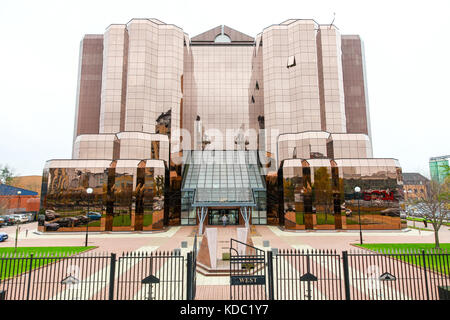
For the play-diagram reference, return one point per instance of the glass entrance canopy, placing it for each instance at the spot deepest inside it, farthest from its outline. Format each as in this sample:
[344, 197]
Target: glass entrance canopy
[222, 178]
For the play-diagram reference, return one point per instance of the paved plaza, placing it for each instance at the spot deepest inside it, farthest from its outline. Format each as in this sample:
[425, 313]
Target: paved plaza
[171, 238]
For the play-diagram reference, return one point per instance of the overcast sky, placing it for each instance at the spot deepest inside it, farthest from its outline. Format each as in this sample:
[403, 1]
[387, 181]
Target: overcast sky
[407, 58]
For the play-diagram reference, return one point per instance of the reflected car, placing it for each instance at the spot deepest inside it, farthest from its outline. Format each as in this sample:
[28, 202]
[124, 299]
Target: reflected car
[82, 219]
[65, 222]
[2, 222]
[52, 226]
[94, 215]
[3, 236]
[75, 221]
[392, 212]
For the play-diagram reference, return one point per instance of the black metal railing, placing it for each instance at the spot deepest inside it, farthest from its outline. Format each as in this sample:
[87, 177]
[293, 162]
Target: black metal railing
[93, 276]
[254, 274]
[307, 275]
[329, 275]
[55, 277]
[150, 276]
[397, 275]
[192, 271]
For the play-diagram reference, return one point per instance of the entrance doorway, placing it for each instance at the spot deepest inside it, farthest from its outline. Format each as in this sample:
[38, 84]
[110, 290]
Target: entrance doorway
[215, 216]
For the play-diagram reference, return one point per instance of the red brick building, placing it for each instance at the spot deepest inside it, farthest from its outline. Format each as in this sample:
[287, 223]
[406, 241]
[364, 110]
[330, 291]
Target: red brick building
[15, 200]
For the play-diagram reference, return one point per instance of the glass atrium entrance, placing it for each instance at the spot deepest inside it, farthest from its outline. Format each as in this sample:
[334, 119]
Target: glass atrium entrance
[215, 216]
[220, 182]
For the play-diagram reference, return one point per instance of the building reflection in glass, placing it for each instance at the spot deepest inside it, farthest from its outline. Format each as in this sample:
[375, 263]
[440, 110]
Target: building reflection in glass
[128, 195]
[319, 193]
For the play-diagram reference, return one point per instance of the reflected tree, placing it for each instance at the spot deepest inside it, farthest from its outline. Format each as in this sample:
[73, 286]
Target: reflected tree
[323, 191]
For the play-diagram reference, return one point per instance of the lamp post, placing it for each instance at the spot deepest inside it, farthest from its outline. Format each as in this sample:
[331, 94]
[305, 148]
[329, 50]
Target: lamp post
[88, 191]
[408, 212]
[357, 191]
[18, 200]
[17, 223]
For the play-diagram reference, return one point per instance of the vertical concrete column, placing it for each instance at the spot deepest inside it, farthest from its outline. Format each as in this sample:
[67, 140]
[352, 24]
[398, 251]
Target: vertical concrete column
[303, 77]
[141, 102]
[113, 76]
[331, 80]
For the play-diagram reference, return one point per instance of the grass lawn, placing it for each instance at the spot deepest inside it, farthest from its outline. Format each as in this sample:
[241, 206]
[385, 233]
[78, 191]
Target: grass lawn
[321, 218]
[122, 220]
[299, 218]
[437, 263]
[12, 267]
[125, 220]
[148, 219]
[94, 223]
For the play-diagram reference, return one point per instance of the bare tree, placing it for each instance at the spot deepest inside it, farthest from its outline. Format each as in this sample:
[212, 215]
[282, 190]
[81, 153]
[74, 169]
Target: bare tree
[434, 206]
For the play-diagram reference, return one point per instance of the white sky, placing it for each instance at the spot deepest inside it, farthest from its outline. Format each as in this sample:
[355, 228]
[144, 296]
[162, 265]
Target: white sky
[407, 57]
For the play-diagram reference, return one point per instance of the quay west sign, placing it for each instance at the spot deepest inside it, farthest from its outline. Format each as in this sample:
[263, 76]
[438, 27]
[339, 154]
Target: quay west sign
[248, 280]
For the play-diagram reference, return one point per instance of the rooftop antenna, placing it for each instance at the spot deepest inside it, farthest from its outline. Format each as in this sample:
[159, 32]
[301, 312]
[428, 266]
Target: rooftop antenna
[334, 17]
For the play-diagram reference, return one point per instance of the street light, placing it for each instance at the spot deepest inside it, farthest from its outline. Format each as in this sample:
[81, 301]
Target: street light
[17, 222]
[88, 191]
[358, 190]
[18, 201]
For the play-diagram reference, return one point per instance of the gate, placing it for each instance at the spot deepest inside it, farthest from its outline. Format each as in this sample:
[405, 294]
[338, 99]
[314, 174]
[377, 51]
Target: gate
[307, 275]
[192, 271]
[247, 272]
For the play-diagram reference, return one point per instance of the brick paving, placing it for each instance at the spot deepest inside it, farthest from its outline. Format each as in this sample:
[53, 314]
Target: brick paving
[214, 292]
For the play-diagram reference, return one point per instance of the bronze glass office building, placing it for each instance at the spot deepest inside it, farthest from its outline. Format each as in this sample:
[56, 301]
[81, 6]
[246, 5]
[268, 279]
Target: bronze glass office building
[173, 130]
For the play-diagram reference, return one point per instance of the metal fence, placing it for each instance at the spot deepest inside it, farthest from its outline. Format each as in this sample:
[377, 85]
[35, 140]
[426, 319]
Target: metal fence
[307, 275]
[396, 275]
[254, 274]
[55, 277]
[191, 271]
[329, 275]
[150, 276]
[92, 276]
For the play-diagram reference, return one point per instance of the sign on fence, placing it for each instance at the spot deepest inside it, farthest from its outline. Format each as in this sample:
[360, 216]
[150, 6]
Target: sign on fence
[247, 280]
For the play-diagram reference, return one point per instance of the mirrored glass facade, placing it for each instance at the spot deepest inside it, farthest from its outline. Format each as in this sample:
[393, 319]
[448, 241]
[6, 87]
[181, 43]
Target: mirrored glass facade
[172, 130]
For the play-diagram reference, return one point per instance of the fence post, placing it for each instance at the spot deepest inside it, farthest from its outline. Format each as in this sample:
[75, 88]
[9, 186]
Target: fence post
[29, 277]
[189, 277]
[270, 273]
[346, 275]
[425, 274]
[112, 273]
